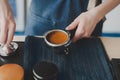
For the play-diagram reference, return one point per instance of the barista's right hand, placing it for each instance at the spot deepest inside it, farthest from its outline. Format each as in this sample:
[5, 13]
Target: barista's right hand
[7, 23]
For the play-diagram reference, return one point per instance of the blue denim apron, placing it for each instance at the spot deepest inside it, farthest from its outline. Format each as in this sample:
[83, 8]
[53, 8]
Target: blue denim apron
[45, 15]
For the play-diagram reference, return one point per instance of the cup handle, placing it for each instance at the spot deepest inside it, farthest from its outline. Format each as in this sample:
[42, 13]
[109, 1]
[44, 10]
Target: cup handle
[68, 43]
[71, 33]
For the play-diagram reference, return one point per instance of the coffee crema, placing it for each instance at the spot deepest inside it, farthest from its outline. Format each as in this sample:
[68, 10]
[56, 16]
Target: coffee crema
[57, 37]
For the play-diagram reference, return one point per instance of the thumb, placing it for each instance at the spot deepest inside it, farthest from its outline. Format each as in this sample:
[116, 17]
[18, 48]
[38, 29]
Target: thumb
[73, 25]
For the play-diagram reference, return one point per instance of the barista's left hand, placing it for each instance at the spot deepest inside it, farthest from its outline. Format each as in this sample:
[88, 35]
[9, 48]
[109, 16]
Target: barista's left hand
[84, 25]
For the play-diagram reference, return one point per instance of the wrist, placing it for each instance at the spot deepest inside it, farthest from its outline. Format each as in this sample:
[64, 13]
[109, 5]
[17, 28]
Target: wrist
[94, 13]
[5, 10]
[3, 4]
[100, 11]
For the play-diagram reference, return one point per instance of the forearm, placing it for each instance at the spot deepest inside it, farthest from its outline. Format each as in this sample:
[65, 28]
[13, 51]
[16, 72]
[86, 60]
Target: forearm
[3, 3]
[5, 9]
[101, 10]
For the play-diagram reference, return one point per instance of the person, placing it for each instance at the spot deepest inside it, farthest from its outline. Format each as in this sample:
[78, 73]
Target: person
[45, 15]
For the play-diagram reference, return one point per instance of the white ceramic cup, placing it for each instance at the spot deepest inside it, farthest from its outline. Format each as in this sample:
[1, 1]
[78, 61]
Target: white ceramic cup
[47, 34]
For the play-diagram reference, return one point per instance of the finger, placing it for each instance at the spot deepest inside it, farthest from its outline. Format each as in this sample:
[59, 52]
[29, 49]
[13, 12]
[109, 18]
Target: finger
[89, 31]
[86, 35]
[79, 33]
[11, 31]
[4, 33]
[73, 25]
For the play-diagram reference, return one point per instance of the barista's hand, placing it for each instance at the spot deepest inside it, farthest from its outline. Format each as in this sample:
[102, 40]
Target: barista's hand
[86, 22]
[84, 25]
[7, 23]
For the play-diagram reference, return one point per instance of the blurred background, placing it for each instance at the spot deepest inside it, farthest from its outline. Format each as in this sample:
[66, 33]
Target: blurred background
[20, 8]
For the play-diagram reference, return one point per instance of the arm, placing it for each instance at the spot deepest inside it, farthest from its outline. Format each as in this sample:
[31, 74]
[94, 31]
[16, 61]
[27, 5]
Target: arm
[86, 22]
[7, 23]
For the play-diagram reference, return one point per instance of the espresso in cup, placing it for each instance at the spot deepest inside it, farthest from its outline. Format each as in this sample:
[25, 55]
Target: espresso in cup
[57, 38]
